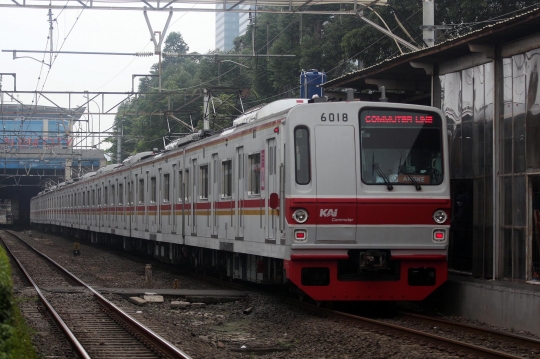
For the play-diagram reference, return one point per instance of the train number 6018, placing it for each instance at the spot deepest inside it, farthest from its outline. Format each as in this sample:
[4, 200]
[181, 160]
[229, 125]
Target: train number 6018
[334, 117]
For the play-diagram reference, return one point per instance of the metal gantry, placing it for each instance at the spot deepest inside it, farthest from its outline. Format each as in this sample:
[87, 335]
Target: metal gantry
[108, 103]
[262, 6]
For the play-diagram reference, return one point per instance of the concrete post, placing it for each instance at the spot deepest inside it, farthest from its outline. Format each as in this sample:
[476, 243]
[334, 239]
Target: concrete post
[148, 275]
[429, 22]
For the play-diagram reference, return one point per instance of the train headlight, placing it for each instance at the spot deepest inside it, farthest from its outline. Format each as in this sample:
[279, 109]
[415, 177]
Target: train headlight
[439, 216]
[300, 215]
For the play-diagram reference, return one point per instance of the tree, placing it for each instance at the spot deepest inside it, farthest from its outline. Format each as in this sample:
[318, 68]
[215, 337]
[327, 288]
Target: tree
[332, 43]
[175, 43]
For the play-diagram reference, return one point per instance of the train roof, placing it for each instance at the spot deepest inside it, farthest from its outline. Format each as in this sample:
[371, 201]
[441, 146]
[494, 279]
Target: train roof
[108, 168]
[272, 109]
[88, 175]
[137, 157]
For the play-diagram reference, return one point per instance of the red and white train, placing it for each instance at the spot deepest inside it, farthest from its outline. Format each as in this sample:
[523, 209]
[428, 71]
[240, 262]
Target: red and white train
[347, 201]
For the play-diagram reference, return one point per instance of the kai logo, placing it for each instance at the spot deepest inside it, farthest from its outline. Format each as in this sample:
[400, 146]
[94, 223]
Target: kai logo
[328, 213]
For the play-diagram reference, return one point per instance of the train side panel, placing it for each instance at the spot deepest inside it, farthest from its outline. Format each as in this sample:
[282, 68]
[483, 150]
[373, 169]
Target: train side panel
[296, 195]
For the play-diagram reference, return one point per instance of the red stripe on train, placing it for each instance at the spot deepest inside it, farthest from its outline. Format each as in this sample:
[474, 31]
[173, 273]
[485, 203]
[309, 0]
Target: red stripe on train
[367, 211]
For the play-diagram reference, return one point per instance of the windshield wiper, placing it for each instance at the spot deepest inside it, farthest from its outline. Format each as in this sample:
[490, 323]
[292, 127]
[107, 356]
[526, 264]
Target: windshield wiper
[383, 176]
[416, 184]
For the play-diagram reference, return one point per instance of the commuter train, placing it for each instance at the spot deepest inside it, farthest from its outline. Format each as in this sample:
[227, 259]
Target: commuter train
[344, 201]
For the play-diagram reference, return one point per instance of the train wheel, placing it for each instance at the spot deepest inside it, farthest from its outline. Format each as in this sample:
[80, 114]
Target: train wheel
[301, 296]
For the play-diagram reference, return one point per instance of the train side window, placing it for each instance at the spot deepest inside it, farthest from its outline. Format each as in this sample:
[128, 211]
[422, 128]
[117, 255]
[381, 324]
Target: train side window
[271, 160]
[113, 194]
[226, 180]
[187, 188]
[240, 165]
[254, 171]
[153, 189]
[141, 191]
[120, 193]
[204, 182]
[131, 189]
[180, 187]
[215, 168]
[302, 155]
[166, 187]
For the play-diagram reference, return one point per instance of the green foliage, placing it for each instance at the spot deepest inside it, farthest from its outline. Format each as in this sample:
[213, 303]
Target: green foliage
[14, 335]
[6, 287]
[336, 44]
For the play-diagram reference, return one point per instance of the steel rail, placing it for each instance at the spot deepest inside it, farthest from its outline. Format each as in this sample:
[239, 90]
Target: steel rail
[384, 328]
[152, 338]
[72, 340]
[498, 334]
[446, 342]
[387, 328]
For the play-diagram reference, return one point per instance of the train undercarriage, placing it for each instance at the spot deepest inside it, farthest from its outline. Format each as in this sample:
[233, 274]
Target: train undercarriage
[372, 275]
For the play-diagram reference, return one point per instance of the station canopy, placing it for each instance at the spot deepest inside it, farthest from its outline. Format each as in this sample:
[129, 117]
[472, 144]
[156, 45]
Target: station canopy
[261, 6]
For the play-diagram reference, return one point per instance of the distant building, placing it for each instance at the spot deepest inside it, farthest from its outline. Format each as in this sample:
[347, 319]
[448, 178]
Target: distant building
[230, 25]
[38, 147]
[39, 140]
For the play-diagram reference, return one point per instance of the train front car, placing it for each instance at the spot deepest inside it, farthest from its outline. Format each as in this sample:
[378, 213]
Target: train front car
[367, 201]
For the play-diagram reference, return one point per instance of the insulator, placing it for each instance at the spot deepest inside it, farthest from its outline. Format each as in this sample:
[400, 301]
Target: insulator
[143, 54]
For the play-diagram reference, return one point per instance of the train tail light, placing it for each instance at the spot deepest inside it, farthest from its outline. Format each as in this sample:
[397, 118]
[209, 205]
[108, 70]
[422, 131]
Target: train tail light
[300, 235]
[439, 235]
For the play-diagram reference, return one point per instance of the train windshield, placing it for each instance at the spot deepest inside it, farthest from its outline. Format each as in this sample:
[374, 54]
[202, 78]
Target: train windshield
[401, 146]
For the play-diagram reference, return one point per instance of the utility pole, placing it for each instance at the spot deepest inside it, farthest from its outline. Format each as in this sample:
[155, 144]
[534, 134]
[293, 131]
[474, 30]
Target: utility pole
[50, 37]
[206, 122]
[119, 143]
[157, 45]
[428, 27]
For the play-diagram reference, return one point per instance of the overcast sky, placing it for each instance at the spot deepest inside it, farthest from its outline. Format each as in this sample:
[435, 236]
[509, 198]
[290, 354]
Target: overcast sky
[94, 30]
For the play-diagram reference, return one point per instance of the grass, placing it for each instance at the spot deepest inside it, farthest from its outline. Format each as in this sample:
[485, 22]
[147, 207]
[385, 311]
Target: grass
[15, 341]
[20, 343]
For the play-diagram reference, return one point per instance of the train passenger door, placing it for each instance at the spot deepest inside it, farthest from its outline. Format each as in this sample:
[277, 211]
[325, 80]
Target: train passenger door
[194, 196]
[240, 192]
[271, 187]
[159, 199]
[146, 189]
[175, 196]
[127, 204]
[135, 203]
[215, 195]
[335, 171]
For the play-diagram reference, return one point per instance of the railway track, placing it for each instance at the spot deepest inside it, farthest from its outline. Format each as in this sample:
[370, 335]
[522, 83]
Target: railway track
[460, 339]
[477, 346]
[428, 331]
[494, 338]
[93, 326]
